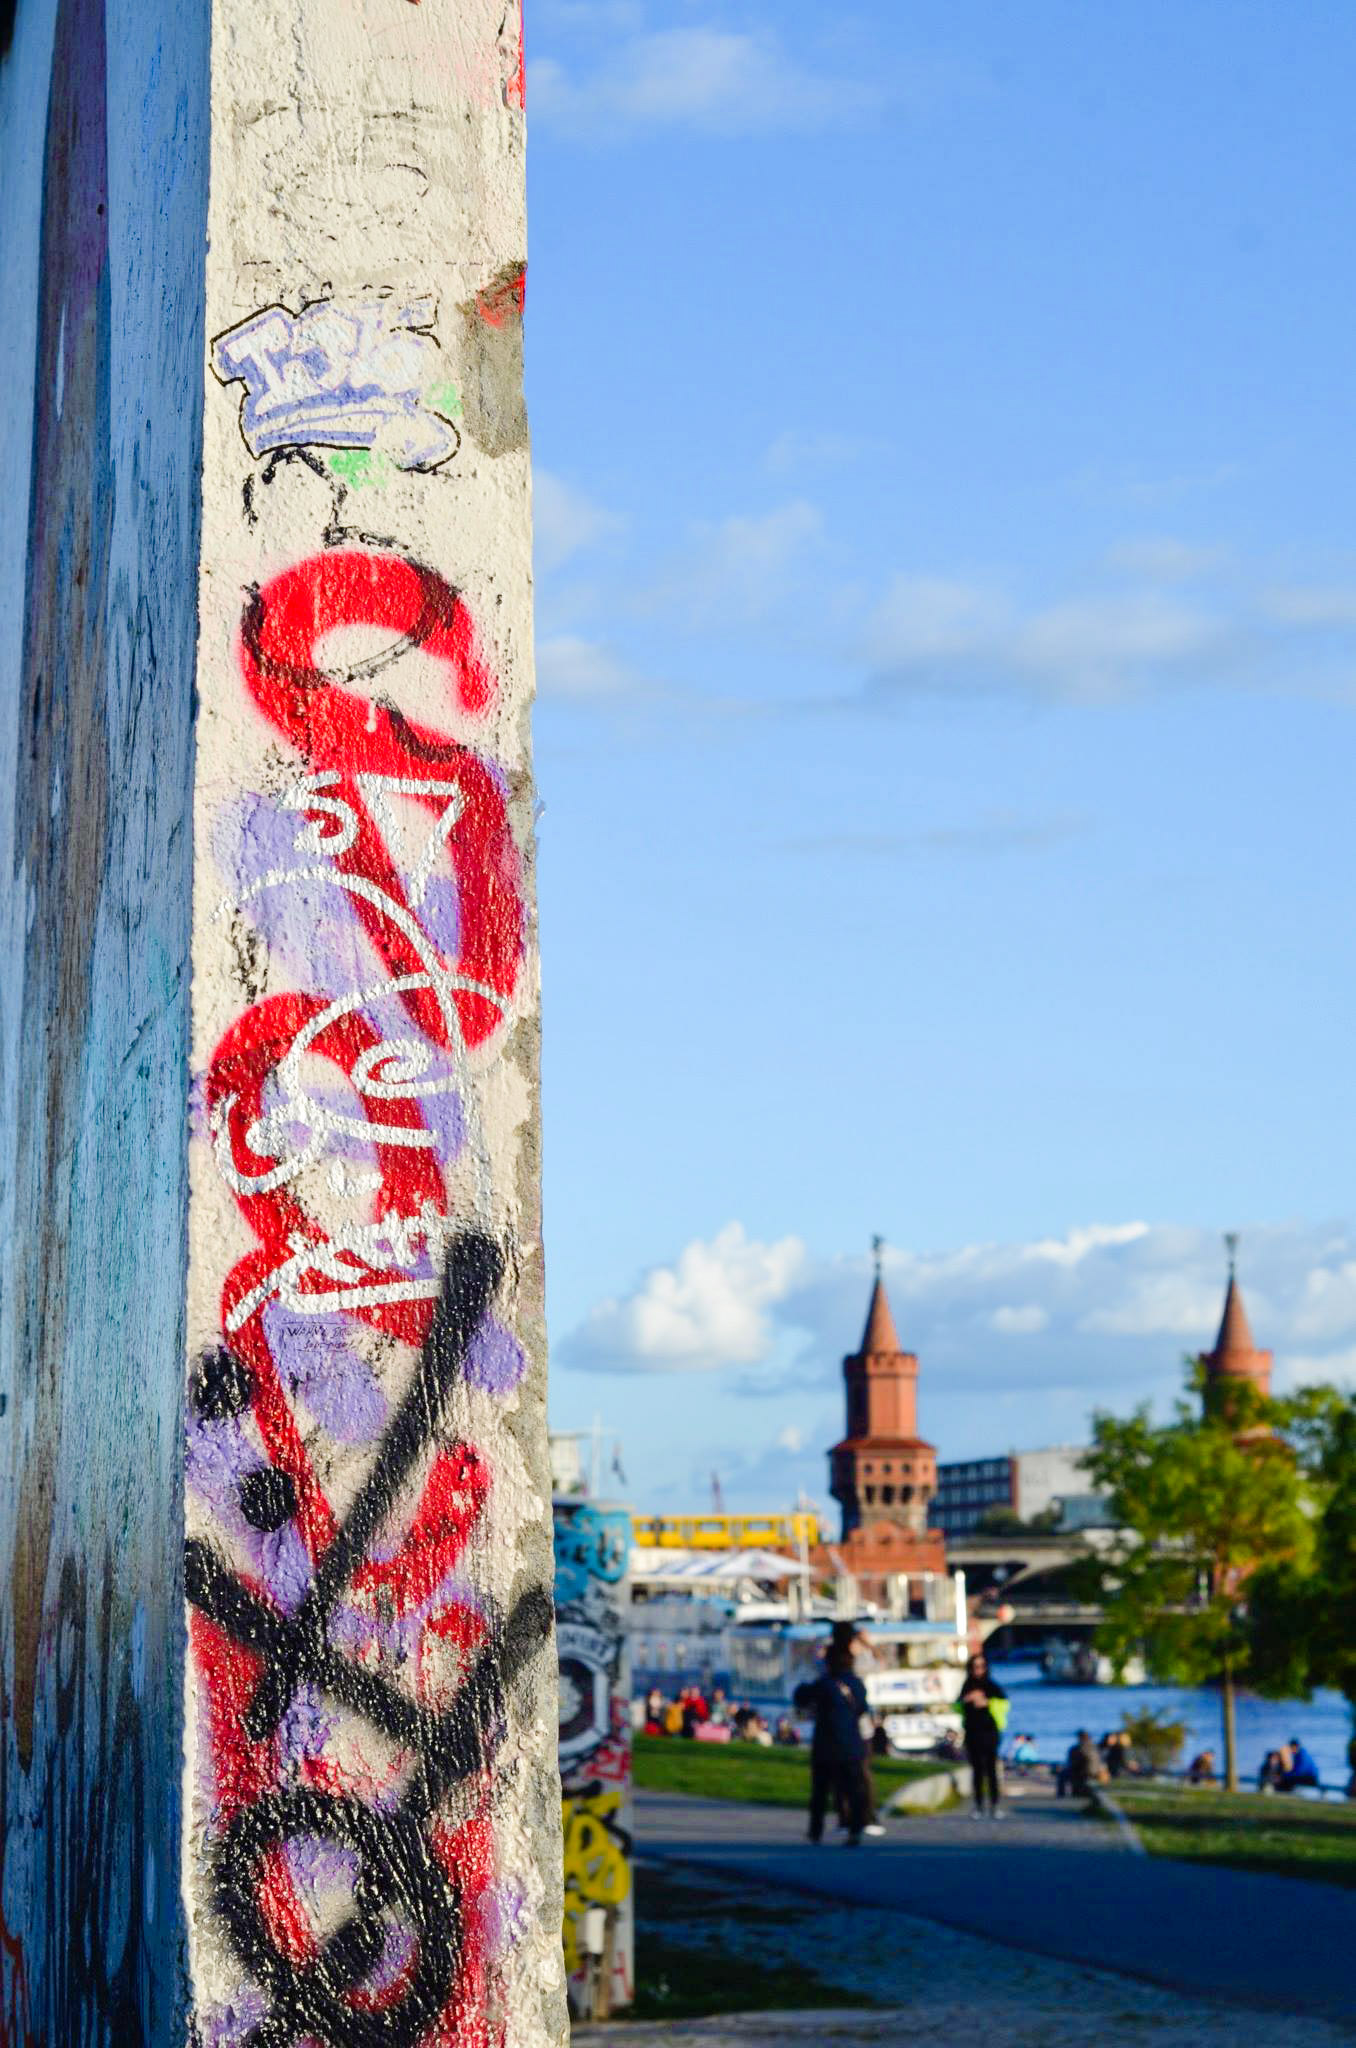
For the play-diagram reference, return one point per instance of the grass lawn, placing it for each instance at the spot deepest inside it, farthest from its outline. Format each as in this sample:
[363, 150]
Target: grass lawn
[715, 1967]
[743, 1770]
[1287, 1837]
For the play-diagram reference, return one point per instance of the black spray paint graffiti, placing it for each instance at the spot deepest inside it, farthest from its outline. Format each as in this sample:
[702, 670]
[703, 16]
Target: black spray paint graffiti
[400, 1881]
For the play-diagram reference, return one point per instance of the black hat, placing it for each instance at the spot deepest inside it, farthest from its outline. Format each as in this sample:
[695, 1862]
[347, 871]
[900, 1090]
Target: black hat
[843, 1634]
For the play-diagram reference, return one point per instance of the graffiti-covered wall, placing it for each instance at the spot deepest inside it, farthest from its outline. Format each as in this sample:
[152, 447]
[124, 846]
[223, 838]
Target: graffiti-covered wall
[103, 194]
[593, 1549]
[374, 1823]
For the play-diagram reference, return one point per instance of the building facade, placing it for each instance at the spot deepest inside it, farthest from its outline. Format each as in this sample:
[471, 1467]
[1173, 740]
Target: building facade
[1028, 1483]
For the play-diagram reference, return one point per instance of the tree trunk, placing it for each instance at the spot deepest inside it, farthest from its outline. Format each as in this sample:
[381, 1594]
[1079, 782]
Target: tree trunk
[1230, 1730]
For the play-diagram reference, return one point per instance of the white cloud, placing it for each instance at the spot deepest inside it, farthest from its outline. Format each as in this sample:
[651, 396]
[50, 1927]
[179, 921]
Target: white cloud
[708, 1309]
[718, 80]
[1157, 614]
[791, 1439]
[739, 569]
[569, 665]
[932, 633]
[1177, 1305]
[1025, 1320]
[565, 520]
[1104, 1312]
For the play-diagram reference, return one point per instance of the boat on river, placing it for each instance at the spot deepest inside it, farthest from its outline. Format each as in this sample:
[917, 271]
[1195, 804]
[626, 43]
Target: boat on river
[1071, 1663]
[757, 1651]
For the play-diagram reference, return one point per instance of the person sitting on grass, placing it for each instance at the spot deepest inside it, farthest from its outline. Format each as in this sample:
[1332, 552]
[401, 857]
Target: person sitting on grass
[1201, 1769]
[1271, 1773]
[1301, 1772]
[1082, 1769]
[1022, 1756]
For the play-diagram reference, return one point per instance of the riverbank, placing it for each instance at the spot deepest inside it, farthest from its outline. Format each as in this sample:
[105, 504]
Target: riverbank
[748, 1772]
[1280, 1835]
[1055, 1713]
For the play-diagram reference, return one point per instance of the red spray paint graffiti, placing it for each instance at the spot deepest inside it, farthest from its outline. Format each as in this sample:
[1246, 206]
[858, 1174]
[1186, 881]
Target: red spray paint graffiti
[354, 1678]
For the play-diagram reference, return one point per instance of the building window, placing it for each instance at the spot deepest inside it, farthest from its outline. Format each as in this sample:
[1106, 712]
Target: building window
[887, 1496]
[869, 1495]
[906, 1493]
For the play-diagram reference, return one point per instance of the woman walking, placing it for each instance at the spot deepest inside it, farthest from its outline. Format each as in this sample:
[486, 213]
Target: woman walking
[983, 1727]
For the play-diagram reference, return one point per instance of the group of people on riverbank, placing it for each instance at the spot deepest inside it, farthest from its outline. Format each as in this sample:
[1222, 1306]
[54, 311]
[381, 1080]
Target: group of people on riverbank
[716, 1719]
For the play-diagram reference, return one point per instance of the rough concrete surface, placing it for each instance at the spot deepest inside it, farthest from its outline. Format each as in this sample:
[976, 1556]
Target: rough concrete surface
[374, 1810]
[277, 1674]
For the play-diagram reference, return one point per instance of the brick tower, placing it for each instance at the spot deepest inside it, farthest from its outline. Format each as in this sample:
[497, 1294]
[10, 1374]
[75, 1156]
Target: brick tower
[883, 1475]
[1236, 1356]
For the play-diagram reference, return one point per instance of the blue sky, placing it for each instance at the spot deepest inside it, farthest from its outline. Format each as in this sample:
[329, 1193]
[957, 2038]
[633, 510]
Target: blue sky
[947, 651]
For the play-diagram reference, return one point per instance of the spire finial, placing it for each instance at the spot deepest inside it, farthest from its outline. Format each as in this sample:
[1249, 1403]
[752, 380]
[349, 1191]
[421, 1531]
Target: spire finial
[1231, 1247]
[877, 1251]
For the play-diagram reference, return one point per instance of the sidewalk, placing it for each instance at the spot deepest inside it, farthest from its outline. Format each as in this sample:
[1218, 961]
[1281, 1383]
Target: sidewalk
[937, 1986]
[736, 1882]
[1049, 1889]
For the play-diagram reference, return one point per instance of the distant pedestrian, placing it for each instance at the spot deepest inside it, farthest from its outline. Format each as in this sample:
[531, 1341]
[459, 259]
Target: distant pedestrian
[979, 1690]
[837, 1699]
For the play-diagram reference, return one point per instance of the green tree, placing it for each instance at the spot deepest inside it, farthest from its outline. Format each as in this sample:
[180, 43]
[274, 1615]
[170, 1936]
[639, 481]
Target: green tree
[1199, 1504]
[1302, 1610]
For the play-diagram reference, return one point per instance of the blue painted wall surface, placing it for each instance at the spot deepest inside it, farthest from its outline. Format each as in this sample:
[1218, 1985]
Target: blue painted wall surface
[103, 153]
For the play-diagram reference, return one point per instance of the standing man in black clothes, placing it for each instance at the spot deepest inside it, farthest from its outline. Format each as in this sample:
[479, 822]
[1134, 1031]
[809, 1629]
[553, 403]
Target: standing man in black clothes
[978, 1688]
[837, 1699]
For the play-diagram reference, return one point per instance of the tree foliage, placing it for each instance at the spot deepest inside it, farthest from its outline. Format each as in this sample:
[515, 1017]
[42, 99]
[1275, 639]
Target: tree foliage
[1200, 1505]
[1302, 1611]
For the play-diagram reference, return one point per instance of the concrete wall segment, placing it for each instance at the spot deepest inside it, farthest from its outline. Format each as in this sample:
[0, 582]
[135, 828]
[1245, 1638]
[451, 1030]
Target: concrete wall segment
[373, 1800]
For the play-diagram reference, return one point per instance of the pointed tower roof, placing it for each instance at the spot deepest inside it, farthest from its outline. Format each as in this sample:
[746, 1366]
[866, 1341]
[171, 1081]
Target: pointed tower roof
[1235, 1335]
[880, 1333]
[1236, 1355]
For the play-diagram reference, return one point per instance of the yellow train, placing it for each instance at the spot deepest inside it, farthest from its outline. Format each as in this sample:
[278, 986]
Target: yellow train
[725, 1532]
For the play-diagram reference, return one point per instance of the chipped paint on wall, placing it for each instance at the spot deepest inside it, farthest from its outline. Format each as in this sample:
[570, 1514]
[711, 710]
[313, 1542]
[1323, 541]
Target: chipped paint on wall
[103, 194]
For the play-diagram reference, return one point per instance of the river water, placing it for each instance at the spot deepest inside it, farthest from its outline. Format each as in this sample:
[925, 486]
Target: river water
[1053, 1714]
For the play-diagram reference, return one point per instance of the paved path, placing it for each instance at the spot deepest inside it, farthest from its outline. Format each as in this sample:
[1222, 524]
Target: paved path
[1048, 1881]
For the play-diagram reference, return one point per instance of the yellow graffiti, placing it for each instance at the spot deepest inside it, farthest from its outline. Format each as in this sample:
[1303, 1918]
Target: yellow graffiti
[597, 1863]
